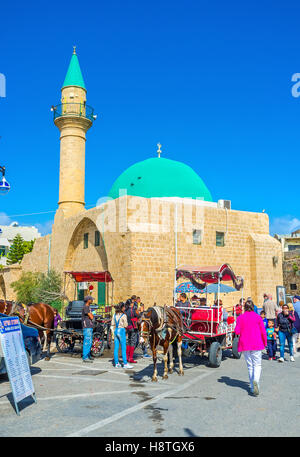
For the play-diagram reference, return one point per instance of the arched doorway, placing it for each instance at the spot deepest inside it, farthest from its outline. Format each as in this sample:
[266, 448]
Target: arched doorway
[86, 252]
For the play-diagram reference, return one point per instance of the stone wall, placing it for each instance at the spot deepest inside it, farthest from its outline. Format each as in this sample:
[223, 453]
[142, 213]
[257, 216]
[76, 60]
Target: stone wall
[291, 272]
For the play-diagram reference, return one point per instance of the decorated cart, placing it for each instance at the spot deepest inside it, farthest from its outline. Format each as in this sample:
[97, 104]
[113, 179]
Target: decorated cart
[70, 332]
[206, 328]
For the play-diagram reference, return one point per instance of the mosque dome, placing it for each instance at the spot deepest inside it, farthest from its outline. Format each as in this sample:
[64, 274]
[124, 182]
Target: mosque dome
[160, 177]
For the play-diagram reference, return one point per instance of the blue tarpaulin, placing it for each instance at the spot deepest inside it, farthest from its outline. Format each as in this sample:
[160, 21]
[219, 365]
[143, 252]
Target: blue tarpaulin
[188, 287]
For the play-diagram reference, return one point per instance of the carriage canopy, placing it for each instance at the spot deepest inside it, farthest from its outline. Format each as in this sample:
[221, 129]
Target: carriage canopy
[90, 276]
[209, 275]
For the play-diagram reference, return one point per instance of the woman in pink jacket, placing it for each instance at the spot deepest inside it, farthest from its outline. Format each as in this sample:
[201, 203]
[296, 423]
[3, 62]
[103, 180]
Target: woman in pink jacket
[252, 341]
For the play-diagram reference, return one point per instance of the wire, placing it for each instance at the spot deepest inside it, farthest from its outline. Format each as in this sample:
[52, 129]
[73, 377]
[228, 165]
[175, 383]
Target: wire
[42, 212]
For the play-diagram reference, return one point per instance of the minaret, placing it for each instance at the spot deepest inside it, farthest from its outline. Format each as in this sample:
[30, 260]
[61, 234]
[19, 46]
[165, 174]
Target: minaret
[73, 118]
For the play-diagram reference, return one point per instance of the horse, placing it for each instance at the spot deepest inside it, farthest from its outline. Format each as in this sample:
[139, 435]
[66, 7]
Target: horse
[5, 306]
[36, 315]
[162, 326]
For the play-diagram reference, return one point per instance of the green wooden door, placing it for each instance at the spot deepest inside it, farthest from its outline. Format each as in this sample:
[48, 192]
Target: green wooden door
[80, 293]
[101, 293]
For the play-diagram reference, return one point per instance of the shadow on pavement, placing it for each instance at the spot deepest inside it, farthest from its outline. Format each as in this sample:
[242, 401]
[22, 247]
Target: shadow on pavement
[234, 383]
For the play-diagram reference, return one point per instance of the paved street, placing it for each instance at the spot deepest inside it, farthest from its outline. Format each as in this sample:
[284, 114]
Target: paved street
[76, 399]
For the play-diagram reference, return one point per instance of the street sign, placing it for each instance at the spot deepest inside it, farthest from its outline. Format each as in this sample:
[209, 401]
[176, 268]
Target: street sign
[17, 367]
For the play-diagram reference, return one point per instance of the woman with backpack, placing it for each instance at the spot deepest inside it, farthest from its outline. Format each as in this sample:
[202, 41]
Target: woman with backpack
[118, 325]
[286, 329]
[132, 330]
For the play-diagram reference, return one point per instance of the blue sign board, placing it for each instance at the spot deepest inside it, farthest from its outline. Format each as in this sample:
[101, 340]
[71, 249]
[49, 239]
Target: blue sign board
[13, 350]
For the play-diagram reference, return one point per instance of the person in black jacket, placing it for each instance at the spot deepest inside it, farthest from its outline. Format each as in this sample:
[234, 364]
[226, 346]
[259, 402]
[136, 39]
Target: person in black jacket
[132, 330]
[285, 325]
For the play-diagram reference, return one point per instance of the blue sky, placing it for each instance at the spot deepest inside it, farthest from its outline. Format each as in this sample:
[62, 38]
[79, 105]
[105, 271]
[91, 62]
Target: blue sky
[210, 80]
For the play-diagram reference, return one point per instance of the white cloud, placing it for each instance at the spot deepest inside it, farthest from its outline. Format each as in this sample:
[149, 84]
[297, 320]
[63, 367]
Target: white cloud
[45, 227]
[4, 219]
[284, 225]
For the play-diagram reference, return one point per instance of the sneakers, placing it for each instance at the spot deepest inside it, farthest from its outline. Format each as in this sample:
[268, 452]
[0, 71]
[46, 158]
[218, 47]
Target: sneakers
[270, 358]
[87, 360]
[274, 358]
[118, 365]
[127, 366]
[281, 359]
[292, 359]
[255, 389]
[146, 356]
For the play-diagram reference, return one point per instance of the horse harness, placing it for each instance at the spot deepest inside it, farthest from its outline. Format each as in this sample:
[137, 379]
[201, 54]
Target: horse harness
[15, 311]
[164, 326]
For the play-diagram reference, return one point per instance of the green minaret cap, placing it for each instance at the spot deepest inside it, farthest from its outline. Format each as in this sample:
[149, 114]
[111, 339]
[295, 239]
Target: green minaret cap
[74, 76]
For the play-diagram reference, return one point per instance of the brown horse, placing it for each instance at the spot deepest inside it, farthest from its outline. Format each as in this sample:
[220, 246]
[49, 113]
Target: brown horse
[162, 326]
[35, 315]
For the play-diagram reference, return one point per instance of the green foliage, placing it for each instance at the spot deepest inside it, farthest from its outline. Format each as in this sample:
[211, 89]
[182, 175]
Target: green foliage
[18, 249]
[49, 287]
[28, 246]
[39, 287]
[26, 286]
[295, 267]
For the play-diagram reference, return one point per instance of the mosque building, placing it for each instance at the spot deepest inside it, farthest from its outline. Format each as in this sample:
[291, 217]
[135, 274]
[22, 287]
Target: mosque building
[159, 214]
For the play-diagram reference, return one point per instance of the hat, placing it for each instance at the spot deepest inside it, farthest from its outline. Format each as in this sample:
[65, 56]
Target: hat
[297, 296]
[88, 297]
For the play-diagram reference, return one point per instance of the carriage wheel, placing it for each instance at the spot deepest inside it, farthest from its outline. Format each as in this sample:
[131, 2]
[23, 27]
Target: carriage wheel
[97, 344]
[108, 338]
[64, 343]
[215, 355]
[236, 354]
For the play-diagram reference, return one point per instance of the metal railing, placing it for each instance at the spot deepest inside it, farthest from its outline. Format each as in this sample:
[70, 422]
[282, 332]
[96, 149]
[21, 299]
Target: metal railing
[73, 109]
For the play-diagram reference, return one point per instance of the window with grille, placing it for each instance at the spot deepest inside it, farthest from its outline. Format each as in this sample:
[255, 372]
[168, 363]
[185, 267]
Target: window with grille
[85, 241]
[293, 286]
[220, 239]
[97, 238]
[197, 236]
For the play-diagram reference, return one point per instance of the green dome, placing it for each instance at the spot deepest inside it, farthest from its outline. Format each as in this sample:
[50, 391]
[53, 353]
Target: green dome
[159, 177]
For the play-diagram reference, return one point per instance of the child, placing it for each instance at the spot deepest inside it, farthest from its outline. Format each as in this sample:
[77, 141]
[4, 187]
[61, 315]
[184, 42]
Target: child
[56, 317]
[271, 340]
[263, 316]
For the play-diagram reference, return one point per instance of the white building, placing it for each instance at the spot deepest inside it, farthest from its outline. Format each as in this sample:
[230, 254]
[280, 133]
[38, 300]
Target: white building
[8, 233]
[290, 242]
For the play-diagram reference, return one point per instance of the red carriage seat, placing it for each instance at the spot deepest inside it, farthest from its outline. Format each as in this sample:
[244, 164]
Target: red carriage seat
[202, 318]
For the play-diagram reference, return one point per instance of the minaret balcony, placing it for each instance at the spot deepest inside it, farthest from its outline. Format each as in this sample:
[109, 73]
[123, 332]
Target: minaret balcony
[73, 109]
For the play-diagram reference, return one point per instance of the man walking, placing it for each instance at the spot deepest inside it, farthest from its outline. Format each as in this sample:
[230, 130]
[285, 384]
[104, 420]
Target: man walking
[87, 326]
[270, 308]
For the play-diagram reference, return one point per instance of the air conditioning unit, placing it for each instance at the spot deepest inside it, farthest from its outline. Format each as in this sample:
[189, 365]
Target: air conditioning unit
[224, 204]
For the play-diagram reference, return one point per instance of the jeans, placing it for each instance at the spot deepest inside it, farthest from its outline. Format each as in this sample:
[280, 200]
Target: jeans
[253, 361]
[272, 348]
[120, 339]
[282, 336]
[87, 342]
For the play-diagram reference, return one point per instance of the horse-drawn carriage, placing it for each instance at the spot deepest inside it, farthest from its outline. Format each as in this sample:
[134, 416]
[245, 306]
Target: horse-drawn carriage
[206, 329]
[69, 331]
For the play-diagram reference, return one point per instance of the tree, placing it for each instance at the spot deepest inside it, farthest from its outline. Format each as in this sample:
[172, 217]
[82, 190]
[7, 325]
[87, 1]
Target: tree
[39, 288]
[26, 286]
[49, 287]
[18, 249]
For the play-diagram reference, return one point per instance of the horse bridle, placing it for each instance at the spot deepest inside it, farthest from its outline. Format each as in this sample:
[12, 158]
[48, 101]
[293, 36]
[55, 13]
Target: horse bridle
[15, 311]
[148, 321]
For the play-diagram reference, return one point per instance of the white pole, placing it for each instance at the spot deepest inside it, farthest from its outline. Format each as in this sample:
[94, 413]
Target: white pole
[176, 259]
